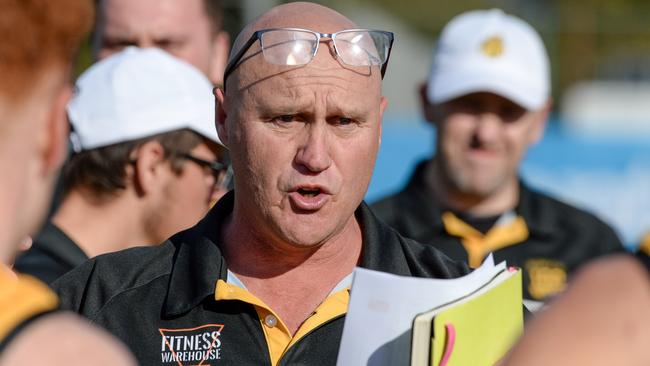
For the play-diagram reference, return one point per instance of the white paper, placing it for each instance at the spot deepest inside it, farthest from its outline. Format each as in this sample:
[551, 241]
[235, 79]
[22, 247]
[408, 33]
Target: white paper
[377, 328]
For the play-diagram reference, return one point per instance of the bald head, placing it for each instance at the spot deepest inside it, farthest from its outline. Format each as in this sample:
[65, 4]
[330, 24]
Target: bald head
[248, 66]
[295, 15]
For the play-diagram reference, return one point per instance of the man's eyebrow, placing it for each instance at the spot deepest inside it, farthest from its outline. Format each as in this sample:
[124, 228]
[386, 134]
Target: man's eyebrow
[169, 37]
[284, 107]
[354, 113]
[118, 39]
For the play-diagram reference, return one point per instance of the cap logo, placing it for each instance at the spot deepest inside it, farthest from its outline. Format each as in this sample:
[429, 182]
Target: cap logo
[492, 47]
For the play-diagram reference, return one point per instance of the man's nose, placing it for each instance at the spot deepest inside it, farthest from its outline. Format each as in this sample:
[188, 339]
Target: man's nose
[313, 154]
[488, 127]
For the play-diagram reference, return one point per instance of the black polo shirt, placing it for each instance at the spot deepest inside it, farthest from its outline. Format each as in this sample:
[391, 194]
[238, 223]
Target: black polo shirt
[173, 304]
[545, 237]
[52, 255]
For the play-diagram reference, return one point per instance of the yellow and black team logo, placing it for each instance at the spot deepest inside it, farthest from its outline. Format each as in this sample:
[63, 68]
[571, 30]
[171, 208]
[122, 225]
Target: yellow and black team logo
[191, 346]
[547, 277]
[492, 47]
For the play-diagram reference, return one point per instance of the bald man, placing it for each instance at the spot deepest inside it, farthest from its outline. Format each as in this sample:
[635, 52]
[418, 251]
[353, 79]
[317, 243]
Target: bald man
[264, 279]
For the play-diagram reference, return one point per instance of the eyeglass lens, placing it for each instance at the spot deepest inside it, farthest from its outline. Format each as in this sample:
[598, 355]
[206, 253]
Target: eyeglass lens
[361, 48]
[285, 47]
[296, 47]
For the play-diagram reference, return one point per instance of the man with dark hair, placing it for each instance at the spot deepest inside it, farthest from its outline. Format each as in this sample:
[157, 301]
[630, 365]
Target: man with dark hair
[145, 161]
[39, 41]
[264, 278]
[191, 30]
[488, 95]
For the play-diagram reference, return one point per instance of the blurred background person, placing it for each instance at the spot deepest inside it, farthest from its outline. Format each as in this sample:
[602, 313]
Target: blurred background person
[40, 38]
[145, 163]
[488, 95]
[191, 30]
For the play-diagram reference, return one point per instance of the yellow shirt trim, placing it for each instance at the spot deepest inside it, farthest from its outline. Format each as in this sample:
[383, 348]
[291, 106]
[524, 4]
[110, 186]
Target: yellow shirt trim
[22, 298]
[278, 338]
[477, 245]
[645, 245]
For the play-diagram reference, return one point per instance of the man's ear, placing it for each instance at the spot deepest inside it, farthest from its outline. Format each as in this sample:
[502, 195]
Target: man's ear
[150, 168]
[220, 115]
[539, 123]
[54, 145]
[382, 107]
[219, 57]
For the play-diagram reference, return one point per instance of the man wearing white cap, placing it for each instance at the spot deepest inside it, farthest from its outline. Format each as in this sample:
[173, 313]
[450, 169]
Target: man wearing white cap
[191, 30]
[145, 161]
[488, 97]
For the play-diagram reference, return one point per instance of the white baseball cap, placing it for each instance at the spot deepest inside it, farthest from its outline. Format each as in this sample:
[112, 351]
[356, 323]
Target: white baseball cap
[139, 93]
[490, 51]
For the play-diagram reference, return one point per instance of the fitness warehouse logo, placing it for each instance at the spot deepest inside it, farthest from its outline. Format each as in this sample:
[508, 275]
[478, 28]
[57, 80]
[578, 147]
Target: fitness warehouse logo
[194, 346]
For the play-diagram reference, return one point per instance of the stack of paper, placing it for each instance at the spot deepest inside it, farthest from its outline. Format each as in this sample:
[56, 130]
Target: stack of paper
[378, 326]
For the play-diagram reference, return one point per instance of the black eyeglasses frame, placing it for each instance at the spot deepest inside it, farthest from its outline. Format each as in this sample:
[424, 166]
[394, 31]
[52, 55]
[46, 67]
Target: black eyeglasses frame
[257, 35]
[216, 167]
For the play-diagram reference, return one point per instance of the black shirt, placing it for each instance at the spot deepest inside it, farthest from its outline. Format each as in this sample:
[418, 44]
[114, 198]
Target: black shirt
[545, 237]
[164, 304]
[52, 255]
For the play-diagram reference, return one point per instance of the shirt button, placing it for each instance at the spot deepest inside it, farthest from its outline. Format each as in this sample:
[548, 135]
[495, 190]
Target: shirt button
[270, 321]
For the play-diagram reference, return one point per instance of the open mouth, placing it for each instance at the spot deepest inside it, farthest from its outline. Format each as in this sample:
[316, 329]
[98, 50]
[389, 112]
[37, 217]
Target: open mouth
[309, 198]
[309, 192]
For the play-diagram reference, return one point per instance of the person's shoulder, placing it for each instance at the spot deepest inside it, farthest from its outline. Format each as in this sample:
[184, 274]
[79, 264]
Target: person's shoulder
[400, 206]
[567, 216]
[40, 264]
[53, 253]
[408, 256]
[386, 208]
[138, 263]
[88, 287]
[22, 299]
[64, 339]
[432, 262]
